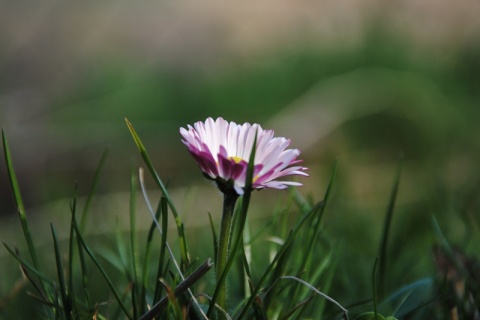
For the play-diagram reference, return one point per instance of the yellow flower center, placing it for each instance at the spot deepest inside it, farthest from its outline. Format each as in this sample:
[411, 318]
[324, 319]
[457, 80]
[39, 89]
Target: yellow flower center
[235, 159]
[238, 160]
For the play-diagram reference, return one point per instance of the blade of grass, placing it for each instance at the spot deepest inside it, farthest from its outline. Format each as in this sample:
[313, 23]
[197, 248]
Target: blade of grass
[83, 264]
[300, 201]
[61, 278]
[318, 220]
[328, 279]
[246, 252]
[49, 304]
[149, 206]
[214, 236]
[441, 237]
[172, 299]
[126, 292]
[93, 189]
[374, 288]
[185, 260]
[85, 211]
[312, 236]
[28, 277]
[73, 206]
[417, 298]
[133, 225]
[258, 305]
[146, 260]
[301, 305]
[276, 217]
[157, 224]
[134, 302]
[318, 292]
[180, 288]
[56, 304]
[163, 242]
[18, 201]
[279, 254]
[102, 271]
[382, 263]
[397, 297]
[277, 272]
[117, 257]
[26, 266]
[324, 274]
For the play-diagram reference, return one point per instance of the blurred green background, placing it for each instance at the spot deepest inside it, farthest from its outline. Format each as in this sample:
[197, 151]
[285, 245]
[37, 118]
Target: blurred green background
[361, 81]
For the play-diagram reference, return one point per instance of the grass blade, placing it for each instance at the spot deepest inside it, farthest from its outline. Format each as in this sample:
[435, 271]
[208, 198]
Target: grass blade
[277, 272]
[279, 254]
[374, 288]
[327, 279]
[161, 260]
[18, 201]
[102, 271]
[61, 278]
[73, 207]
[133, 237]
[214, 235]
[312, 241]
[298, 306]
[83, 265]
[160, 229]
[134, 301]
[28, 266]
[316, 291]
[133, 225]
[93, 189]
[185, 260]
[146, 260]
[382, 262]
[180, 288]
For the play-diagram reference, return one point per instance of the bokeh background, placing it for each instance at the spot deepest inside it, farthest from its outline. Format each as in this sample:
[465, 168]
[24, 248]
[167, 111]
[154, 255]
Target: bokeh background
[364, 82]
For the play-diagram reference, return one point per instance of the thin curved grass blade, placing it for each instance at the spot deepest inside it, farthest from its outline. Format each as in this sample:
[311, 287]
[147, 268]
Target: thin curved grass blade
[196, 275]
[214, 236]
[28, 266]
[279, 254]
[73, 206]
[103, 272]
[133, 227]
[185, 260]
[163, 207]
[61, 278]
[297, 307]
[382, 262]
[318, 292]
[18, 200]
[93, 189]
[165, 245]
[146, 260]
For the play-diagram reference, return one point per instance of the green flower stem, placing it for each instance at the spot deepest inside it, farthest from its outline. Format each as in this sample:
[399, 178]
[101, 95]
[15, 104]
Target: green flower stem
[229, 201]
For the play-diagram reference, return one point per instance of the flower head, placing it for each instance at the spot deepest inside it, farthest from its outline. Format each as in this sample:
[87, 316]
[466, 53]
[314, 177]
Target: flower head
[222, 150]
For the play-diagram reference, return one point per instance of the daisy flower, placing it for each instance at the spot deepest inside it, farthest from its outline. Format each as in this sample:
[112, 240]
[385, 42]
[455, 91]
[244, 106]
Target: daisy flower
[222, 150]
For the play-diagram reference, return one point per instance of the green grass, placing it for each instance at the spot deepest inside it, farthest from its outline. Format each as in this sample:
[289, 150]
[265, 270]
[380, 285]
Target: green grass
[369, 239]
[301, 263]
